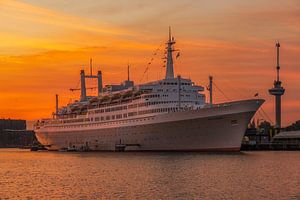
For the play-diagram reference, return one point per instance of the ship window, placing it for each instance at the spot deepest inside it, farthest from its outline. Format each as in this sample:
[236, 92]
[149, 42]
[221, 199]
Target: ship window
[119, 116]
[234, 122]
[132, 114]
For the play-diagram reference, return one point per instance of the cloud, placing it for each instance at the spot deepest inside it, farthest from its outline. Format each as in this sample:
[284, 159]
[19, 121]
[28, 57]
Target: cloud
[43, 45]
[30, 13]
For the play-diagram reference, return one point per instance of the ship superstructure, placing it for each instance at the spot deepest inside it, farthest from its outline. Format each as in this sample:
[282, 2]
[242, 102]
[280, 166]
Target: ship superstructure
[167, 114]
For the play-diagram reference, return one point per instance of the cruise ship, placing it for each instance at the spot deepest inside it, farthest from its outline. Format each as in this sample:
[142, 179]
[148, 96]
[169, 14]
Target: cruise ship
[164, 115]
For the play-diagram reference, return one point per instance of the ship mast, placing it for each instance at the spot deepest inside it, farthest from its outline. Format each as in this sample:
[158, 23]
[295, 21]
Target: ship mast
[169, 68]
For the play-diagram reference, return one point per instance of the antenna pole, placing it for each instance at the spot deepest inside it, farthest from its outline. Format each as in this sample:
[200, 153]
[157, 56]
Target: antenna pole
[91, 66]
[56, 104]
[179, 92]
[278, 66]
[100, 86]
[128, 72]
[210, 90]
[169, 33]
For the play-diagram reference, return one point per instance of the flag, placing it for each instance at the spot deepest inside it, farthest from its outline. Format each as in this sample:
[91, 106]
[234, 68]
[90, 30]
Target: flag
[256, 95]
[178, 54]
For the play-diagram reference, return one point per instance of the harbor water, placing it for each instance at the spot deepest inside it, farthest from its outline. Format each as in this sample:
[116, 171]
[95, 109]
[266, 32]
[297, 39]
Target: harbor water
[159, 175]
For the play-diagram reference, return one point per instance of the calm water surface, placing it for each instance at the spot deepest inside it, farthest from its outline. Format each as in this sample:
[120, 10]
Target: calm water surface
[65, 175]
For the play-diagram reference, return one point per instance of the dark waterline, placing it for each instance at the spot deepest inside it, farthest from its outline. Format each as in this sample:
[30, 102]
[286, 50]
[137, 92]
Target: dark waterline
[159, 175]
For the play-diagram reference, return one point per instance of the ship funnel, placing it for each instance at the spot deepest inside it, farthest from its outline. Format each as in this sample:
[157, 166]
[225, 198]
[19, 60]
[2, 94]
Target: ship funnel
[100, 85]
[83, 88]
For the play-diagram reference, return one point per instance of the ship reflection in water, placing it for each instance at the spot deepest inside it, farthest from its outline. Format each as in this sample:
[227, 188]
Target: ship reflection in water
[59, 175]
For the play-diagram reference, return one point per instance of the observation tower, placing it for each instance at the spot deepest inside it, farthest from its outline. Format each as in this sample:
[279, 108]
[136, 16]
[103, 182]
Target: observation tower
[277, 91]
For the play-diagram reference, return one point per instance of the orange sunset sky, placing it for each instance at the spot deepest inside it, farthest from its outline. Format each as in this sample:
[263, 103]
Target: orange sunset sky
[44, 44]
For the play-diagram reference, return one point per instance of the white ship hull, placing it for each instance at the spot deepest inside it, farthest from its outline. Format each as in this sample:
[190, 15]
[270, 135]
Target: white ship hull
[219, 128]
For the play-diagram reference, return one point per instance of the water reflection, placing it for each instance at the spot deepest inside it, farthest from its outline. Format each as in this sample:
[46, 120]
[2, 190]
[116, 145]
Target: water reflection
[159, 175]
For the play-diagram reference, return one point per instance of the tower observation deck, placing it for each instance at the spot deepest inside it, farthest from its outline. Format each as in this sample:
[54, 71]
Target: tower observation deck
[277, 91]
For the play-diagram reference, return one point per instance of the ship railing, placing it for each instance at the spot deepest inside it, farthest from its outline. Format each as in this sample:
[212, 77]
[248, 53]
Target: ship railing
[227, 104]
[216, 105]
[115, 103]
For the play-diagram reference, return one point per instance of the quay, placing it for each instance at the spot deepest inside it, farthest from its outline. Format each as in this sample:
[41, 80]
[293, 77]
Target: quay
[264, 137]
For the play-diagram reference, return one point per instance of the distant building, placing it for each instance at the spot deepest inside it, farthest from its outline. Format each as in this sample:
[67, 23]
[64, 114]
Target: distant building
[13, 133]
[290, 138]
[12, 124]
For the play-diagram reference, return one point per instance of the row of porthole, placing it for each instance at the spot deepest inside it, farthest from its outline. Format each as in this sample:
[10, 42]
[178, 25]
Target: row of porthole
[139, 105]
[107, 123]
